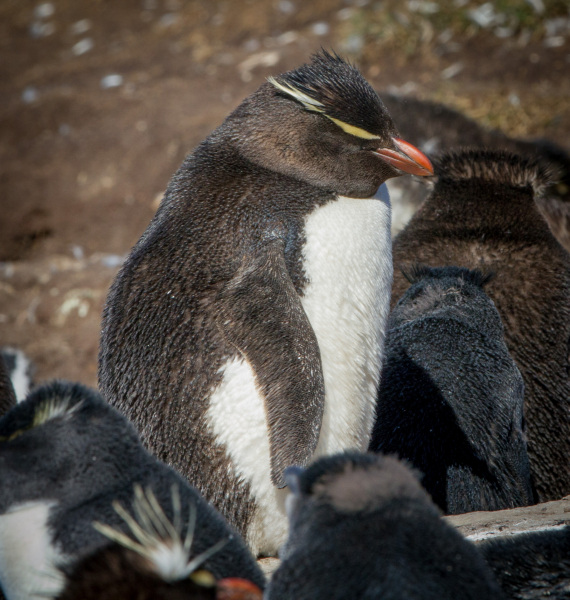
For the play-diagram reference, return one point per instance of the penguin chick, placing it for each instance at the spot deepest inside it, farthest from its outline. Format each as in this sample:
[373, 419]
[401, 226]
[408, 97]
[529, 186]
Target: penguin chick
[244, 332]
[69, 457]
[362, 527]
[154, 560]
[531, 565]
[436, 128]
[451, 397]
[482, 214]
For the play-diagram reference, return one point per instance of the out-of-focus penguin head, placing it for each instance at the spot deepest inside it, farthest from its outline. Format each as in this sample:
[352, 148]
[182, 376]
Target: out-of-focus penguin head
[63, 439]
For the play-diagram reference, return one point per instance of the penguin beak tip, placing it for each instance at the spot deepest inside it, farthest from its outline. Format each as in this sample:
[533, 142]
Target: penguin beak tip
[406, 158]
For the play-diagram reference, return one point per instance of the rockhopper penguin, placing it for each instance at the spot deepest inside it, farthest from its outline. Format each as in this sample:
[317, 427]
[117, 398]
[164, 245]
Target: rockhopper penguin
[362, 527]
[483, 215]
[244, 332]
[72, 467]
[451, 397]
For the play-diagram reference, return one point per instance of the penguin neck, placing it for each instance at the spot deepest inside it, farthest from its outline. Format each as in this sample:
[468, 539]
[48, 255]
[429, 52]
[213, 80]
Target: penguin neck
[347, 259]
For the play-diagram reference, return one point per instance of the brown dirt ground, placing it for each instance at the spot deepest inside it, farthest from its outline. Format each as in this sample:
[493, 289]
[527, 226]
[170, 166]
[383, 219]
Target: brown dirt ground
[82, 167]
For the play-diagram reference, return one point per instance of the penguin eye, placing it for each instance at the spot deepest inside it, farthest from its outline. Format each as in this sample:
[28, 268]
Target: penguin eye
[203, 578]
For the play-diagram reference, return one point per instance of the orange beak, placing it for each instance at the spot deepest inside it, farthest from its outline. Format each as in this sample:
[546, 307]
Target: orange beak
[407, 158]
[235, 588]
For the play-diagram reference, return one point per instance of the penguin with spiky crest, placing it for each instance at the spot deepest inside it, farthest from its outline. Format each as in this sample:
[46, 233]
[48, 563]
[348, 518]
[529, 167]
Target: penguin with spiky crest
[451, 397]
[153, 561]
[482, 214]
[70, 458]
[244, 332]
[361, 526]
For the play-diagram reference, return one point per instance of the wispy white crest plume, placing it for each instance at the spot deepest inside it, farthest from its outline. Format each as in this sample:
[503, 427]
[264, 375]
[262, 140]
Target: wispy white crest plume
[308, 102]
[52, 408]
[156, 538]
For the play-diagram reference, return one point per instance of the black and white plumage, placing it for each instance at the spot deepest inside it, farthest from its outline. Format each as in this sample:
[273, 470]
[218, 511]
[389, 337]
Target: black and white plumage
[154, 559]
[20, 370]
[70, 460]
[482, 214]
[244, 332]
[451, 397]
[362, 527]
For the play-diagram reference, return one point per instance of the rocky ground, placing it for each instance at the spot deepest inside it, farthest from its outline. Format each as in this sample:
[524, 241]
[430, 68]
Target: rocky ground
[101, 100]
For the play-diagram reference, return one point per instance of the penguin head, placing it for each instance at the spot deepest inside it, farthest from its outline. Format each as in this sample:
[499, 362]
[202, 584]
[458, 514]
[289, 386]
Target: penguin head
[64, 440]
[323, 123]
[155, 559]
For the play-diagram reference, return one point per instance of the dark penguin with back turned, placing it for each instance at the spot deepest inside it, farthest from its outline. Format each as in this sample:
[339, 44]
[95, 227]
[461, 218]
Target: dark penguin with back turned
[451, 397]
[482, 214]
[361, 526]
[244, 332]
[72, 467]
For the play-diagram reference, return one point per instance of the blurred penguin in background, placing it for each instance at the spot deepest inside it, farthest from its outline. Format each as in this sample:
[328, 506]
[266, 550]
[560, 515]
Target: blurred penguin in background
[482, 214]
[436, 128]
[74, 468]
[531, 565]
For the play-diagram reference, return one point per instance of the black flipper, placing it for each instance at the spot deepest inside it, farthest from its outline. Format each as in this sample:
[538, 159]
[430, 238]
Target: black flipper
[261, 314]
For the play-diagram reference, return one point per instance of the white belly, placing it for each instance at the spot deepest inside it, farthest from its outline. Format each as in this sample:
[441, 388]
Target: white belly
[348, 262]
[27, 558]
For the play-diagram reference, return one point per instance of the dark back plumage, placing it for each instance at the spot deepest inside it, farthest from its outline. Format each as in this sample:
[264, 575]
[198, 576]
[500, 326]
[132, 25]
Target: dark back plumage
[451, 397]
[531, 565]
[482, 214]
[361, 526]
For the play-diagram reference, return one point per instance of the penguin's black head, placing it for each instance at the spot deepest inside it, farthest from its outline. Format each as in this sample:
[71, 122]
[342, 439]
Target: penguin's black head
[63, 440]
[324, 124]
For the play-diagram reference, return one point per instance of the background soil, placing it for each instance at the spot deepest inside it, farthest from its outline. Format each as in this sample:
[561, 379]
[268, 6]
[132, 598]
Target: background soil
[102, 99]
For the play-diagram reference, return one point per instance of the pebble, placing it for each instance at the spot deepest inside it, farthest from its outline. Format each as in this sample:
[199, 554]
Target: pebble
[111, 81]
[80, 27]
[82, 46]
[320, 28]
[38, 29]
[452, 70]
[30, 94]
[286, 7]
[44, 10]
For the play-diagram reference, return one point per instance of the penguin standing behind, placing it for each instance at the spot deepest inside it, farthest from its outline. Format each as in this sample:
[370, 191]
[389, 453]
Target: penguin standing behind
[482, 214]
[451, 397]
[244, 332]
[435, 128]
[362, 527]
[69, 461]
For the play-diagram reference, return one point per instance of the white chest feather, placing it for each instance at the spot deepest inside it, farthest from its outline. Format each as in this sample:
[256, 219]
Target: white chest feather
[27, 557]
[348, 263]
